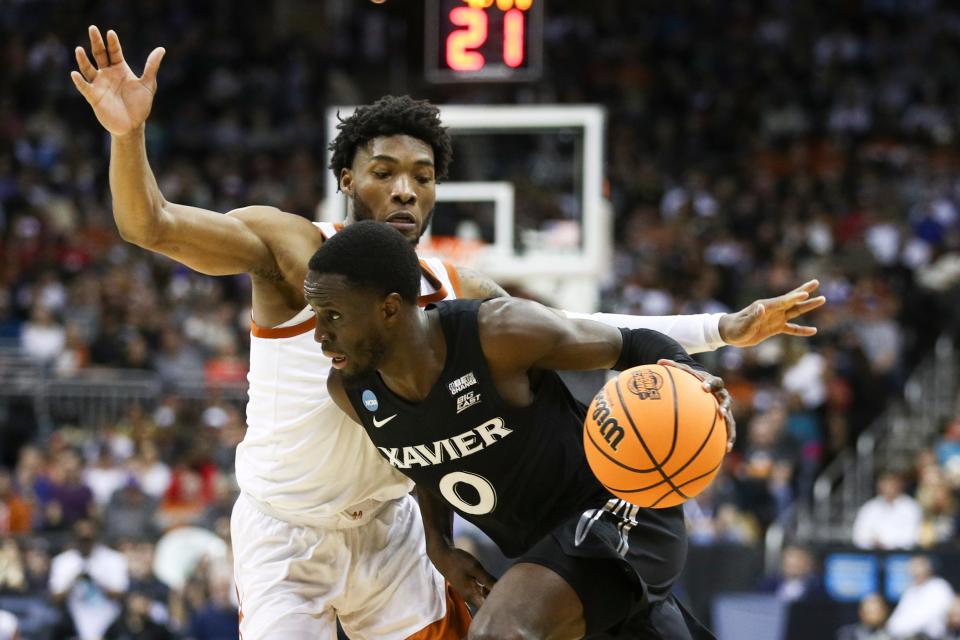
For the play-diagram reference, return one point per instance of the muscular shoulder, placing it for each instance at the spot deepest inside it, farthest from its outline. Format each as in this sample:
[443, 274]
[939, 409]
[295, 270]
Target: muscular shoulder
[516, 332]
[475, 285]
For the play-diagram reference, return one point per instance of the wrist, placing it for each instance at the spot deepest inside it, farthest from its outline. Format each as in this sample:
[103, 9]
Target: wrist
[723, 327]
[134, 136]
[438, 545]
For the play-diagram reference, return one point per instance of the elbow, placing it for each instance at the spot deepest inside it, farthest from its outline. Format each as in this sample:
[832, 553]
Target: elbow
[142, 234]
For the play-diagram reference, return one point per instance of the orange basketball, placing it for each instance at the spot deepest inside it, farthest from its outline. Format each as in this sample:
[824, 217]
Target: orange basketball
[654, 437]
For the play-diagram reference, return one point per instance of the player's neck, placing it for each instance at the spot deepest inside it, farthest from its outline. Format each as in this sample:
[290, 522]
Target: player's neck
[413, 365]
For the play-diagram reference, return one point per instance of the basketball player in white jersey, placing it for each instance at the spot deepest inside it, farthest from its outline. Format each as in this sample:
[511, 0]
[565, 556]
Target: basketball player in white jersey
[323, 527]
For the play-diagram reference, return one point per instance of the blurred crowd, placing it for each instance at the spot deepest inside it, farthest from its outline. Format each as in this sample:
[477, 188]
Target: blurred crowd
[914, 514]
[101, 538]
[751, 146]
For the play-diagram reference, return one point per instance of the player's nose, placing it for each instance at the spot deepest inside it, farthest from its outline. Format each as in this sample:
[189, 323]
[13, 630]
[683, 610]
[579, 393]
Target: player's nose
[403, 190]
[321, 334]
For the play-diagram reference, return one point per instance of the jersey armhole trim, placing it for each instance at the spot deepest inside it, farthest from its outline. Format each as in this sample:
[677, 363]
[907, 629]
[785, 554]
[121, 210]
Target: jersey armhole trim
[435, 282]
[282, 332]
[454, 276]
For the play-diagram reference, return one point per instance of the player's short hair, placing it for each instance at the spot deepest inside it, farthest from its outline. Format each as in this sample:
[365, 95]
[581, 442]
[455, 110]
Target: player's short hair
[391, 116]
[372, 255]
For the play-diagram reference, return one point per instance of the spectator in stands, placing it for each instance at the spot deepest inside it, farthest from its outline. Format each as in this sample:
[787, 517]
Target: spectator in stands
[70, 499]
[713, 517]
[43, 337]
[873, 613]
[872, 530]
[798, 578]
[15, 512]
[151, 472]
[924, 604]
[218, 619]
[131, 514]
[769, 459]
[185, 500]
[135, 622]
[104, 476]
[31, 480]
[12, 574]
[939, 510]
[90, 579]
[36, 564]
[140, 555]
[225, 494]
[948, 450]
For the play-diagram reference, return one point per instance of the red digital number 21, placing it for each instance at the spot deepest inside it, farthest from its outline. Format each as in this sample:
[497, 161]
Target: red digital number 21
[459, 43]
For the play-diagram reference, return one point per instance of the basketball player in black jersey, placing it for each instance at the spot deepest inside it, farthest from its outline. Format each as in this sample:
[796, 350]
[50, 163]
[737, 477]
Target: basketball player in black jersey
[463, 398]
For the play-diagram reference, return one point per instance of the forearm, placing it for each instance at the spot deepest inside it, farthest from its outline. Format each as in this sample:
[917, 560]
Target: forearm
[695, 333]
[137, 201]
[645, 346]
[437, 521]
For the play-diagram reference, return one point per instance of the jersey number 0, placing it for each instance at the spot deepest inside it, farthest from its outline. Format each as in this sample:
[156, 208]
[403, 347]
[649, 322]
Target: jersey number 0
[451, 483]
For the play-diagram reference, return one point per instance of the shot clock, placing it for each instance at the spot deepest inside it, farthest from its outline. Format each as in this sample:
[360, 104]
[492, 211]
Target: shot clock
[491, 40]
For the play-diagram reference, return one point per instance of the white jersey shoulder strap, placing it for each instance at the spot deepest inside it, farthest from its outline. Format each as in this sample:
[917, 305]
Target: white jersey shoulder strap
[328, 229]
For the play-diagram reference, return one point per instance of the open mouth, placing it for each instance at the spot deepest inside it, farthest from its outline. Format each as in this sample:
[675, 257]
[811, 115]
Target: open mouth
[402, 221]
[338, 360]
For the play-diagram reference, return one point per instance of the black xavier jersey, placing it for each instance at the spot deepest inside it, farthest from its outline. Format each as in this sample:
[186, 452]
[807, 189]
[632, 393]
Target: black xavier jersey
[515, 472]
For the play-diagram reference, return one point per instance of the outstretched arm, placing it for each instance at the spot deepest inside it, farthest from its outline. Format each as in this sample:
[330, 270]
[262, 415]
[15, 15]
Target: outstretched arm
[519, 335]
[206, 241]
[751, 325]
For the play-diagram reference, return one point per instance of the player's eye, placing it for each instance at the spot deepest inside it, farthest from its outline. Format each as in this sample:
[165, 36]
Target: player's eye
[333, 316]
[381, 174]
[424, 179]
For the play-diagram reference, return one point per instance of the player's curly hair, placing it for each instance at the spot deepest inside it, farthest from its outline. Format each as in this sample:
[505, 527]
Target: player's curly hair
[371, 255]
[389, 116]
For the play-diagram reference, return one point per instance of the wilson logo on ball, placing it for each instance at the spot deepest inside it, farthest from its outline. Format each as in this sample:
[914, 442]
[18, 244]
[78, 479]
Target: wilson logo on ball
[645, 384]
[611, 431]
[654, 437]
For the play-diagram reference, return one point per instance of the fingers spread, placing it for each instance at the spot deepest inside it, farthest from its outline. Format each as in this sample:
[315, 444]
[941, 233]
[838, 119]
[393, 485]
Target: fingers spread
[799, 330]
[98, 48]
[807, 306]
[87, 69]
[82, 85]
[113, 47]
[152, 66]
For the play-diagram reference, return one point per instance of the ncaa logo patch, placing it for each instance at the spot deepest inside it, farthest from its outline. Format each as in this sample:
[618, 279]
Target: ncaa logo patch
[370, 401]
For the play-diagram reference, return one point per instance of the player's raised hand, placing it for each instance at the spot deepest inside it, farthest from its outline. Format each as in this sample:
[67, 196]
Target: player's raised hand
[712, 384]
[766, 318]
[120, 100]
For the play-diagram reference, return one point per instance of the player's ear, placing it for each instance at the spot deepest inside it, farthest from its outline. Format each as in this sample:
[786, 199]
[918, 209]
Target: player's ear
[391, 308]
[346, 181]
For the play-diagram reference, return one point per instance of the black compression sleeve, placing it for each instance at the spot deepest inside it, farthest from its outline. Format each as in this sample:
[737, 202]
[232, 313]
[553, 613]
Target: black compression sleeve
[646, 346]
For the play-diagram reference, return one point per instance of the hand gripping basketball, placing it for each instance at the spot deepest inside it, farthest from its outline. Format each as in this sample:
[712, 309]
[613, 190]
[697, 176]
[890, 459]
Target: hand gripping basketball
[656, 435]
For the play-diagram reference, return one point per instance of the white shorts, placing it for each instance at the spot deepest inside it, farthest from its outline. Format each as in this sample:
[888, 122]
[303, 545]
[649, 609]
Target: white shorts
[293, 581]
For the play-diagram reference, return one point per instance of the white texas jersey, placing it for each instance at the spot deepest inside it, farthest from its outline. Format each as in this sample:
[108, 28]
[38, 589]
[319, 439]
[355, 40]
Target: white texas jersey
[301, 456]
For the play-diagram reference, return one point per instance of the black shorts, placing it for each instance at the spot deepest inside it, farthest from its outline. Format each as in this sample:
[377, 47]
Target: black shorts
[622, 562]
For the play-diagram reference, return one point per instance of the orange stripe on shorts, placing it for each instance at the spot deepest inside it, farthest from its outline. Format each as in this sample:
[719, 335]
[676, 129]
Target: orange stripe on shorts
[452, 626]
